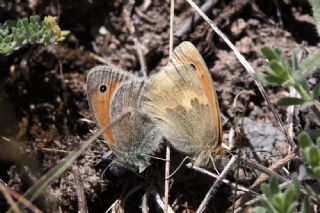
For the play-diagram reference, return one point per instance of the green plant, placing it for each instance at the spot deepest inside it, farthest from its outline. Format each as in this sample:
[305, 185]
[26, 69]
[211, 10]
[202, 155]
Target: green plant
[310, 153]
[276, 201]
[284, 72]
[29, 31]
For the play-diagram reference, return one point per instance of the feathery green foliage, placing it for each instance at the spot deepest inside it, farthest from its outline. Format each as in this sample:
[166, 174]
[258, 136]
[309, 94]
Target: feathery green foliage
[316, 13]
[30, 31]
[276, 201]
[284, 72]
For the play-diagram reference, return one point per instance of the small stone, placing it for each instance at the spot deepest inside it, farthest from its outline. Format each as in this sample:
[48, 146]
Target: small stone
[238, 26]
[244, 45]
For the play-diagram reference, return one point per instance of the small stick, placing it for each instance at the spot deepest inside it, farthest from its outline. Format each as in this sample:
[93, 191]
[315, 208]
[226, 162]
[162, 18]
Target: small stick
[113, 205]
[6, 194]
[144, 203]
[213, 188]
[98, 58]
[276, 3]
[248, 68]
[130, 26]
[161, 203]
[171, 29]
[263, 177]
[233, 185]
[82, 203]
[17, 196]
[263, 169]
[177, 169]
[167, 180]
[189, 23]
[167, 168]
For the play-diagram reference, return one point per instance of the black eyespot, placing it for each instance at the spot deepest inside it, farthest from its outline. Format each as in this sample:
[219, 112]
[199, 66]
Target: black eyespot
[103, 88]
[193, 66]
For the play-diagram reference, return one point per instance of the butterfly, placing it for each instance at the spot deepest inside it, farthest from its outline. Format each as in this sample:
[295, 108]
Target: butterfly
[179, 103]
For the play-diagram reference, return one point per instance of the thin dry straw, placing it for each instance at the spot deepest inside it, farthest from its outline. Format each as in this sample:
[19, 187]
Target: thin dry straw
[233, 185]
[213, 188]
[248, 68]
[132, 30]
[167, 167]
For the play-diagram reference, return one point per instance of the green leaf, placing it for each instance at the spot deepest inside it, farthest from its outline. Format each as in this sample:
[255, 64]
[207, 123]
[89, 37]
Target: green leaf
[310, 64]
[304, 140]
[290, 101]
[318, 142]
[260, 209]
[268, 79]
[314, 157]
[290, 195]
[288, 83]
[316, 91]
[306, 105]
[306, 207]
[316, 172]
[291, 207]
[310, 172]
[316, 13]
[265, 188]
[271, 54]
[278, 201]
[278, 69]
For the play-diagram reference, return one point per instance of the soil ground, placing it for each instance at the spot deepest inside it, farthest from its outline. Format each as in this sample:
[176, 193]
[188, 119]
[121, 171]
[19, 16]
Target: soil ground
[43, 103]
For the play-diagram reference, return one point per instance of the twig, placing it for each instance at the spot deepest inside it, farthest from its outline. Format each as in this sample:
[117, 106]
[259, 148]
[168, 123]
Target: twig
[167, 180]
[82, 204]
[112, 205]
[171, 28]
[263, 177]
[146, 4]
[144, 204]
[263, 169]
[248, 68]
[167, 168]
[177, 169]
[130, 26]
[192, 21]
[243, 92]
[9, 199]
[278, 11]
[161, 203]
[213, 188]
[17, 196]
[145, 17]
[233, 185]
[98, 58]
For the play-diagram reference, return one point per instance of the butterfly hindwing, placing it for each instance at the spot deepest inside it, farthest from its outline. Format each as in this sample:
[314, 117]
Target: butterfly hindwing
[136, 135]
[111, 93]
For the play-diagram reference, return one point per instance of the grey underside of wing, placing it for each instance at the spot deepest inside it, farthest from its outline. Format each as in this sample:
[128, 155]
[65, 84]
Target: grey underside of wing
[176, 99]
[135, 135]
